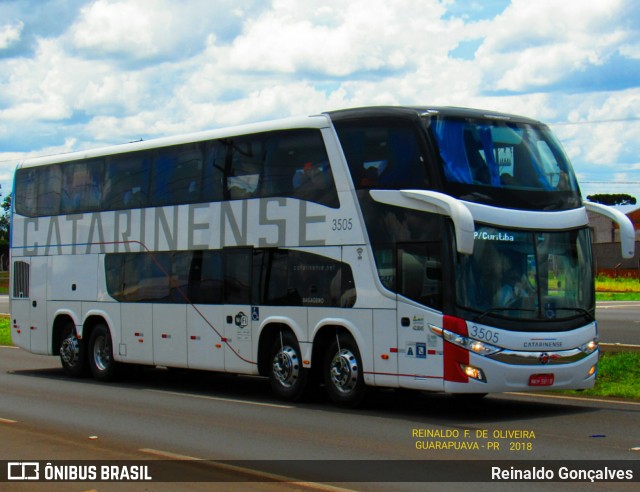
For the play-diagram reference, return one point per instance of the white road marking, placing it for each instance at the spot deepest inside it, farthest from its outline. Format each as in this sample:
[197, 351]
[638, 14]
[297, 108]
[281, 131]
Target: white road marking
[242, 470]
[226, 400]
[577, 398]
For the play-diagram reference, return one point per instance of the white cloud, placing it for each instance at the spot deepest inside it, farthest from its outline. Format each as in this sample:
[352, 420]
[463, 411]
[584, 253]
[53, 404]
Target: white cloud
[10, 34]
[150, 31]
[534, 44]
[128, 69]
[605, 134]
[135, 30]
[340, 38]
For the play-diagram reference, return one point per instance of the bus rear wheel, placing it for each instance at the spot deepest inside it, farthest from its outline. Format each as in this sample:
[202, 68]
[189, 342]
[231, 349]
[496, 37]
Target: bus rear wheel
[343, 372]
[287, 376]
[72, 353]
[101, 362]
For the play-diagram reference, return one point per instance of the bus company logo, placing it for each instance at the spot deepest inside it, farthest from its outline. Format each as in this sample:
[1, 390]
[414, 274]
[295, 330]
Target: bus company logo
[23, 470]
[543, 343]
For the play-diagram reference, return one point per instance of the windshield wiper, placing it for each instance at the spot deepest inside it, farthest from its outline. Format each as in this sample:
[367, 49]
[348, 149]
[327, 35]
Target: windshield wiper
[588, 315]
[499, 309]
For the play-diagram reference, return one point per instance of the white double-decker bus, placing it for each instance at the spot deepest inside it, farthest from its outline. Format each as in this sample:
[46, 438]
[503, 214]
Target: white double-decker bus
[435, 249]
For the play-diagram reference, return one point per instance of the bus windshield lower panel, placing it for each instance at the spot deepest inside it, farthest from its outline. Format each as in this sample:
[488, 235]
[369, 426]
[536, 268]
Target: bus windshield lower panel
[527, 276]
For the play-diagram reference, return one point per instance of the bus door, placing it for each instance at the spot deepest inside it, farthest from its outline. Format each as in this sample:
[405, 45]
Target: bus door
[420, 357]
[28, 304]
[238, 316]
[206, 312]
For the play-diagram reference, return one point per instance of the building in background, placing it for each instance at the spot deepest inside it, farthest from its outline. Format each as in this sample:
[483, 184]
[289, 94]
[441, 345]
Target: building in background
[606, 244]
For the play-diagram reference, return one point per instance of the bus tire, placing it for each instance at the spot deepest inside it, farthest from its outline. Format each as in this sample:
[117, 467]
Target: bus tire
[72, 352]
[101, 362]
[343, 376]
[287, 376]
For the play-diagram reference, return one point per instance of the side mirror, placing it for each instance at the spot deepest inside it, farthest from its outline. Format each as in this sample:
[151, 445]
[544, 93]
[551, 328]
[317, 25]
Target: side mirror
[435, 202]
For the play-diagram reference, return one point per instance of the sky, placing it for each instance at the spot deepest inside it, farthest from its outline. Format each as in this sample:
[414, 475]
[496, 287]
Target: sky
[79, 74]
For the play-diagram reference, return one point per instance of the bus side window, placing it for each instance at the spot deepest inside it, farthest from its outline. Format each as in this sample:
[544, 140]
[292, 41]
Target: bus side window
[282, 160]
[49, 188]
[146, 277]
[177, 175]
[26, 194]
[243, 173]
[420, 273]
[81, 191]
[205, 277]
[297, 166]
[270, 278]
[315, 280]
[179, 278]
[215, 155]
[127, 182]
[114, 272]
[383, 153]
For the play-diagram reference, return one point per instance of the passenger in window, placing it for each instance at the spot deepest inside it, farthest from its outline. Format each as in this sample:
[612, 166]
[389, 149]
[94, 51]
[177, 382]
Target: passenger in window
[563, 182]
[374, 173]
[80, 191]
[310, 182]
[515, 286]
[133, 197]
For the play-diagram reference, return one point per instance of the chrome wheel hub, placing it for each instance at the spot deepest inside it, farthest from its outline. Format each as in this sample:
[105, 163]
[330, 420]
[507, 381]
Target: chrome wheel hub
[70, 350]
[286, 367]
[101, 353]
[344, 371]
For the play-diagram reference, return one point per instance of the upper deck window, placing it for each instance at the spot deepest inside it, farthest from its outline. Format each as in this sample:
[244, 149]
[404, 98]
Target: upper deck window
[284, 163]
[488, 157]
[383, 153]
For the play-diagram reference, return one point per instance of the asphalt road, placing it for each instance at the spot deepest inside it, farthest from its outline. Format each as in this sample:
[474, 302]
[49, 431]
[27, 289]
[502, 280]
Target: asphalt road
[159, 414]
[619, 321]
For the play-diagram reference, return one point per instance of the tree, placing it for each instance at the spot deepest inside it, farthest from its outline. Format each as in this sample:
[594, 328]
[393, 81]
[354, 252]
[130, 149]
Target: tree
[5, 225]
[5, 220]
[613, 199]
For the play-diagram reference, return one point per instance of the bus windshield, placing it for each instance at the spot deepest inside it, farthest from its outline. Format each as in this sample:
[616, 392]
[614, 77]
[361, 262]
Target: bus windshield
[527, 276]
[501, 162]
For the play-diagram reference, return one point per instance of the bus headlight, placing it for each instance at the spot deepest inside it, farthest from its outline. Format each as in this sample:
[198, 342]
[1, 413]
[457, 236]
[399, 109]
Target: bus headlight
[590, 347]
[475, 346]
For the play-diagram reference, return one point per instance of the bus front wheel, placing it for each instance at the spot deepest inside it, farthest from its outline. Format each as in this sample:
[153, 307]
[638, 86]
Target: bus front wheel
[343, 372]
[287, 376]
[72, 353]
[101, 362]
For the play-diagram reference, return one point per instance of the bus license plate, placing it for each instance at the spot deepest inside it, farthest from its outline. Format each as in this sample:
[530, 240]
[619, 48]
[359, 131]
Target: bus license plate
[541, 380]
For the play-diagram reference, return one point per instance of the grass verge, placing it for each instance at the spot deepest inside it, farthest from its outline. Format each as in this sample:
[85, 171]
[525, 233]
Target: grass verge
[617, 296]
[618, 376]
[617, 289]
[4, 283]
[5, 332]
